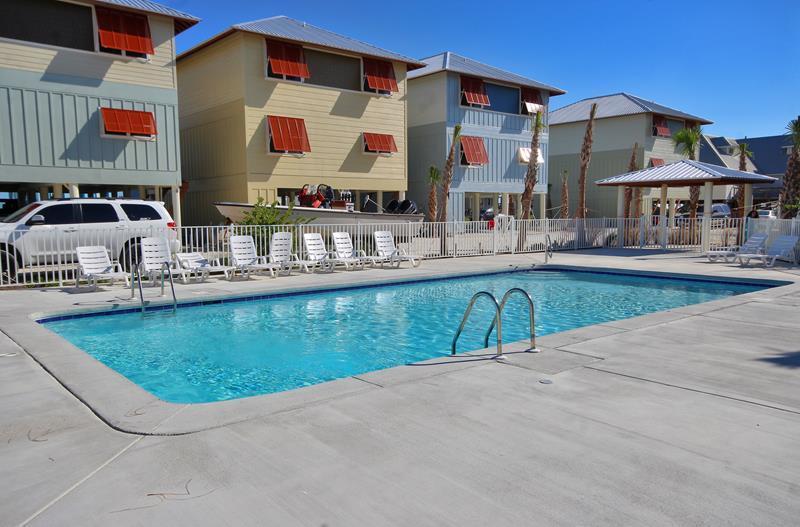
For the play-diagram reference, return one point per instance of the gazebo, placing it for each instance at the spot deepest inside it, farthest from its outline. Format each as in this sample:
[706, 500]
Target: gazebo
[686, 173]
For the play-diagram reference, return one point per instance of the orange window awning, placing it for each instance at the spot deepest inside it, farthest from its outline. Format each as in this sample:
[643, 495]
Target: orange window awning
[132, 122]
[531, 95]
[660, 127]
[474, 150]
[380, 75]
[380, 143]
[656, 162]
[287, 59]
[288, 134]
[124, 31]
[474, 91]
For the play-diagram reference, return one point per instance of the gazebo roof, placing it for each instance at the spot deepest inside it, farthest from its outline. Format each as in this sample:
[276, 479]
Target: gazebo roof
[685, 173]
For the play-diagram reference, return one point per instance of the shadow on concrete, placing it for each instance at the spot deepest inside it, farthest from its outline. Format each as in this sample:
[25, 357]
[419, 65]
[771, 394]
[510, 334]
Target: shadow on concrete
[790, 359]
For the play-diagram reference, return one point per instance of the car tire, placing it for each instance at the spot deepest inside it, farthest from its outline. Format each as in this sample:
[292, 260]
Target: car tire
[9, 264]
[131, 252]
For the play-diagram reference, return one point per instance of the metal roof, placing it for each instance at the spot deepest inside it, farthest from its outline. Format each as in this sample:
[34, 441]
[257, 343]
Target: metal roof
[285, 28]
[449, 61]
[684, 173]
[183, 21]
[616, 105]
[710, 153]
[769, 152]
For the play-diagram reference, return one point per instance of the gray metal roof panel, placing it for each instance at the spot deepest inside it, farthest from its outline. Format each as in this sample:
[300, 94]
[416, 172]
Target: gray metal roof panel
[615, 105]
[183, 20]
[687, 172]
[709, 153]
[768, 152]
[286, 28]
[449, 61]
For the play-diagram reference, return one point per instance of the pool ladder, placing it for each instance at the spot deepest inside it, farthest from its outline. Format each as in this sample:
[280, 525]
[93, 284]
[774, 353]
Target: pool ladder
[498, 321]
[136, 278]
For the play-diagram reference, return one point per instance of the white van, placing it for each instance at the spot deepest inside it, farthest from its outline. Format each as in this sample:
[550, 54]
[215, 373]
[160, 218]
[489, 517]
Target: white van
[48, 232]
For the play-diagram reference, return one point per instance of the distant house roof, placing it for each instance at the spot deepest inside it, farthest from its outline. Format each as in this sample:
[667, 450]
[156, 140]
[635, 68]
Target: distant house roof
[449, 61]
[616, 105]
[289, 29]
[710, 152]
[183, 21]
[684, 173]
[769, 153]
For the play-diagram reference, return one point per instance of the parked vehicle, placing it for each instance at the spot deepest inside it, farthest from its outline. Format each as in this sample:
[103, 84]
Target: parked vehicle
[766, 214]
[48, 232]
[718, 210]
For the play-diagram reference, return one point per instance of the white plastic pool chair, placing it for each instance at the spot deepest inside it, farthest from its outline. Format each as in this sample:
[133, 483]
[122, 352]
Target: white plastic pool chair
[347, 254]
[318, 256]
[783, 246]
[387, 252]
[245, 258]
[156, 259]
[280, 252]
[753, 245]
[198, 266]
[94, 264]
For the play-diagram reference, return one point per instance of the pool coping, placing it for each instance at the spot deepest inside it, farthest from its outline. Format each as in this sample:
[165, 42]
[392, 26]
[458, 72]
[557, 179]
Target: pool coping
[127, 407]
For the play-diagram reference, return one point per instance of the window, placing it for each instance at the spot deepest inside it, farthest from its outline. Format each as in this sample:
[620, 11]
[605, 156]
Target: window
[140, 212]
[98, 213]
[123, 33]
[128, 123]
[524, 156]
[63, 214]
[656, 162]
[503, 98]
[379, 143]
[660, 128]
[379, 77]
[286, 61]
[530, 101]
[473, 92]
[287, 135]
[48, 22]
[473, 151]
[334, 71]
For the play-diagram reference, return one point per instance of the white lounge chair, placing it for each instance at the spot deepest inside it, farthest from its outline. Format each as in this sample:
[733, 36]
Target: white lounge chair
[782, 246]
[198, 266]
[347, 254]
[753, 245]
[387, 251]
[156, 259]
[318, 255]
[245, 258]
[280, 252]
[94, 264]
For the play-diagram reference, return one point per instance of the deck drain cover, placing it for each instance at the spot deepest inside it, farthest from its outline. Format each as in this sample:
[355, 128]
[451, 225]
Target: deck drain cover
[545, 381]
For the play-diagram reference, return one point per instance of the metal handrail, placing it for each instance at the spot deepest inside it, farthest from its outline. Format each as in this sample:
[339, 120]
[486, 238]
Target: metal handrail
[475, 297]
[136, 275]
[531, 316]
[548, 248]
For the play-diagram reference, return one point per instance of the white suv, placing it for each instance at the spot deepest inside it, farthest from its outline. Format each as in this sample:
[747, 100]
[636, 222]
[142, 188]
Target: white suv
[46, 233]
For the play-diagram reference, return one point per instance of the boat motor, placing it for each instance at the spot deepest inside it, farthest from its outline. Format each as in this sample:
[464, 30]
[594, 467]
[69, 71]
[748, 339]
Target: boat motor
[407, 207]
[391, 208]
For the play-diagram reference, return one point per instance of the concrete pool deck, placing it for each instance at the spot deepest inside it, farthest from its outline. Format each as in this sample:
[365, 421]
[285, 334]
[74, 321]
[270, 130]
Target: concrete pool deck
[687, 416]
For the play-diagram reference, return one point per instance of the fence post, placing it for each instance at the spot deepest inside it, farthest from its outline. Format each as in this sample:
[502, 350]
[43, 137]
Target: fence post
[642, 231]
[621, 227]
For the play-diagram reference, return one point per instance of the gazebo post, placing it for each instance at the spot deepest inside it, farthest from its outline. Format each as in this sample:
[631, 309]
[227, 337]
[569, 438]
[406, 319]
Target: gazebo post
[662, 216]
[748, 198]
[620, 216]
[708, 200]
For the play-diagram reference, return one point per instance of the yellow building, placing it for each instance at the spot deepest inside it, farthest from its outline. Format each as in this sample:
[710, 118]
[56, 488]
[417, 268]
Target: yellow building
[269, 106]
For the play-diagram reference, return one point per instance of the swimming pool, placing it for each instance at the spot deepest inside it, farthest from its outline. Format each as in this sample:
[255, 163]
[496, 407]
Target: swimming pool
[230, 350]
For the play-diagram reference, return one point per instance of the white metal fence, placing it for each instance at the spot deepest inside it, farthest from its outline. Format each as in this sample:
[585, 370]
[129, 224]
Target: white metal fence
[42, 256]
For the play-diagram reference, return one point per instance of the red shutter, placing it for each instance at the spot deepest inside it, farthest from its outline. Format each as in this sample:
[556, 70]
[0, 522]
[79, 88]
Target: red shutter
[287, 59]
[474, 150]
[474, 91]
[660, 127]
[531, 95]
[124, 31]
[656, 162]
[288, 134]
[128, 122]
[380, 75]
[379, 142]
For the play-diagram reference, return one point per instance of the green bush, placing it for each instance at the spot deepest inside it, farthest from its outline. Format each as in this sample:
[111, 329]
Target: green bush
[270, 214]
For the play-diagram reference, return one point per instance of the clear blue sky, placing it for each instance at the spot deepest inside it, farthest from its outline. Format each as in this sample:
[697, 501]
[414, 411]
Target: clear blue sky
[734, 62]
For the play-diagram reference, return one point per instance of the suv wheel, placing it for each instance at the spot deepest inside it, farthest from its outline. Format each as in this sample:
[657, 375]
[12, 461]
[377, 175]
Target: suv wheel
[131, 253]
[9, 263]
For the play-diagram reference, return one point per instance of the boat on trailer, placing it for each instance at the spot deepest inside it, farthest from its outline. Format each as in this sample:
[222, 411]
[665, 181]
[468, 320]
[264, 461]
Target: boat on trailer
[236, 211]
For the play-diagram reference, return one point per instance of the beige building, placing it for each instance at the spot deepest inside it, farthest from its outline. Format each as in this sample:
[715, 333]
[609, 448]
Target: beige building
[621, 121]
[271, 105]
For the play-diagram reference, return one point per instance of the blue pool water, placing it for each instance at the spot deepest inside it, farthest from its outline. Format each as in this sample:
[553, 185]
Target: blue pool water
[231, 350]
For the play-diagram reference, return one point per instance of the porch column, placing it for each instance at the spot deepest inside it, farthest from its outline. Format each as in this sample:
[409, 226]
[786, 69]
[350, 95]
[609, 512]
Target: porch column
[142, 192]
[58, 191]
[74, 191]
[401, 195]
[620, 201]
[748, 198]
[44, 192]
[708, 200]
[175, 192]
[542, 205]
[662, 219]
[506, 198]
[518, 206]
[476, 206]
[379, 199]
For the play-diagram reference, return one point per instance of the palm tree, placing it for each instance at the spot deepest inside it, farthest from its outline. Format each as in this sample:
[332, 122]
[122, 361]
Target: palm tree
[743, 152]
[790, 193]
[687, 140]
[532, 175]
[586, 157]
[434, 177]
[564, 195]
[447, 178]
[632, 166]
